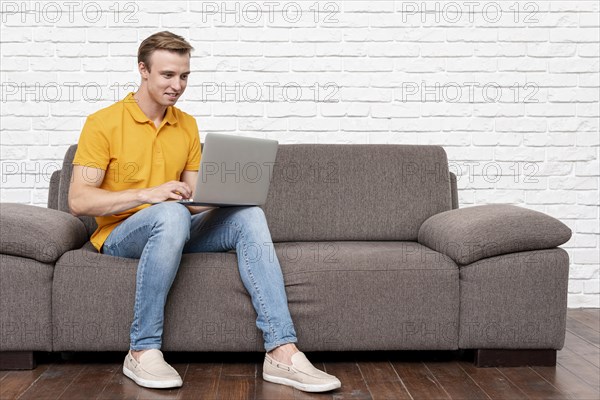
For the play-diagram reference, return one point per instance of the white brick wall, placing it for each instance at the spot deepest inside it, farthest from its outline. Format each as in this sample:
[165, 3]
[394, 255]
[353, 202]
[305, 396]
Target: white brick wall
[515, 93]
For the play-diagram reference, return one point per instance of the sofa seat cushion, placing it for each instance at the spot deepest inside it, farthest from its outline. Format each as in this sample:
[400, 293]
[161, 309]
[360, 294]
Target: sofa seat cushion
[342, 296]
[473, 233]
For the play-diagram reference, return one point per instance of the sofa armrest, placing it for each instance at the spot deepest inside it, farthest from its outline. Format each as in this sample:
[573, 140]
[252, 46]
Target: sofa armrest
[470, 234]
[42, 234]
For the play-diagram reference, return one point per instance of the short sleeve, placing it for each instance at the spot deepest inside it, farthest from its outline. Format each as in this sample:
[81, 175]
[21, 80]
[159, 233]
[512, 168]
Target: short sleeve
[93, 147]
[193, 161]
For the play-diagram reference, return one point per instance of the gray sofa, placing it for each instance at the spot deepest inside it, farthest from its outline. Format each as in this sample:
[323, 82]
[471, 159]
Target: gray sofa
[376, 255]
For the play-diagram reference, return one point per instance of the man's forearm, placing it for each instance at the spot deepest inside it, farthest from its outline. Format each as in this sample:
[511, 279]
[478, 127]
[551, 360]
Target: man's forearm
[96, 202]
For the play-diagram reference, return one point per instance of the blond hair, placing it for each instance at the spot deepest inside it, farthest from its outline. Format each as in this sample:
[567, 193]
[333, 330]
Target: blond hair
[164, 40]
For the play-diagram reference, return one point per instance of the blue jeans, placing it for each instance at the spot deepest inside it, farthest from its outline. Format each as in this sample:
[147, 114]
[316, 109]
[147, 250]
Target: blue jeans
[159, 234]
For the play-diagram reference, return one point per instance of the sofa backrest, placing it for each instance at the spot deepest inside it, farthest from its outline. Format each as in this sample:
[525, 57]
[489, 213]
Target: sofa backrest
[58, 194]
[338, 191]
[356, 192]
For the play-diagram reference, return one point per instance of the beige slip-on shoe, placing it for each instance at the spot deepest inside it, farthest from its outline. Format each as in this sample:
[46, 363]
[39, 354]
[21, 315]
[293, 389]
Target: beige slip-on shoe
[152, 371]
[301, 375]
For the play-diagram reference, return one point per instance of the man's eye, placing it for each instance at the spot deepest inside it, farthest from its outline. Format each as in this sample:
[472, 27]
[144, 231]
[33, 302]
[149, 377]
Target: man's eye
[184, 77]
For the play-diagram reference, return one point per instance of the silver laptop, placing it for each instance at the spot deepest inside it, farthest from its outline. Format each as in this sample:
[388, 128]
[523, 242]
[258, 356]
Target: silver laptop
[234, 171]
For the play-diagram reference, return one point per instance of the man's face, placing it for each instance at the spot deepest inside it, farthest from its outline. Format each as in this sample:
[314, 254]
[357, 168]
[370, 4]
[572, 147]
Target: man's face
[167, 79]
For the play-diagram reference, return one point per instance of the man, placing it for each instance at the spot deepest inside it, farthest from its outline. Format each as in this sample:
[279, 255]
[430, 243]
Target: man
[143, 150]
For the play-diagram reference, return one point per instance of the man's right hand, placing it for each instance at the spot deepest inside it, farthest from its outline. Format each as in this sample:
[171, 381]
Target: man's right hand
[171, 190]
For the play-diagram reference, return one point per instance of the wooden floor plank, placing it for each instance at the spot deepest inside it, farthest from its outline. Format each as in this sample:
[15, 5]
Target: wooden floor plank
[120, 387]
[237, 381]
[53, 381]
[532, 384]
[90, 382]
[239, 369]
[382, 381]
[589, 317]
[582, 348]
[16, 382]
[201, 380]
[236, 388]
[567, 382]
[583, 331]
[492, 382]
[300, 395]
[353, 384]
[419, 380]
[585, 370]
[272, 391]
[455, 381]
[3, 374]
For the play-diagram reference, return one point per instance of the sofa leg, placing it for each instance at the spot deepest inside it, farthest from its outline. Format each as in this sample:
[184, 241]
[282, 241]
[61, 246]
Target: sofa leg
[514, 357]
[17, 360]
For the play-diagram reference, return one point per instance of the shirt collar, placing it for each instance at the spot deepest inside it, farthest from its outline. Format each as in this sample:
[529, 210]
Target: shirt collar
[137, 113]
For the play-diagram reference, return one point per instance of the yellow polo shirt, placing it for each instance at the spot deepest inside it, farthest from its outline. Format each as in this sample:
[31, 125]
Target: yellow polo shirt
[122, 141]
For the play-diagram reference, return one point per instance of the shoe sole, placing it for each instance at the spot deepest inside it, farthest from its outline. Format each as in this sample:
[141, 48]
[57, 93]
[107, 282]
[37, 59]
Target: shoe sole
[302, 386]
[151, 384]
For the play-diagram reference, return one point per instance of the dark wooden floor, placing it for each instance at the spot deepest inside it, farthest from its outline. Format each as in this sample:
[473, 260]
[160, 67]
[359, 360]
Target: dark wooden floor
[369, 375]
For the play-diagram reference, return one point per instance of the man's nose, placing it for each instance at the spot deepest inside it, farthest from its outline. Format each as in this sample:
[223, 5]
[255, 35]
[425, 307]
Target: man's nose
[176, 84]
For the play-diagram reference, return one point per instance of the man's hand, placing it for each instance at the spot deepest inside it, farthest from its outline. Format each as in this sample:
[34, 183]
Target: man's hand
[171, 190]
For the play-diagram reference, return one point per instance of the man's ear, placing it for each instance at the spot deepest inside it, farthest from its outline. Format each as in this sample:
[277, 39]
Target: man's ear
[143, 70]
